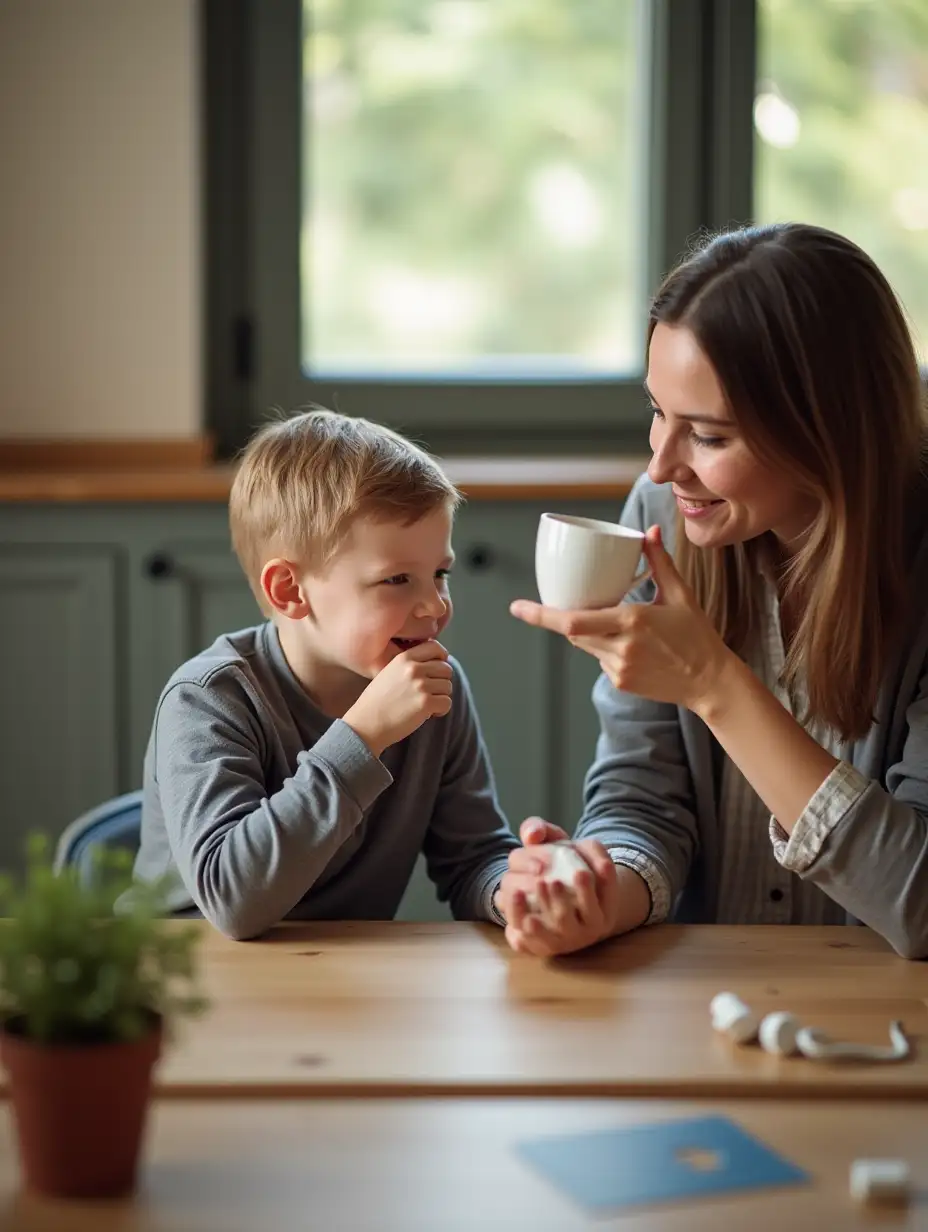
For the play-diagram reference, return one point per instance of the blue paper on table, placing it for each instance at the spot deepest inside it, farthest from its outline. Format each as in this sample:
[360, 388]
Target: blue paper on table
[658, 1162]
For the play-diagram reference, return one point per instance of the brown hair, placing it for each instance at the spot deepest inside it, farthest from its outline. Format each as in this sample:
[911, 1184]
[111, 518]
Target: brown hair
[303, 481]
[812, 351]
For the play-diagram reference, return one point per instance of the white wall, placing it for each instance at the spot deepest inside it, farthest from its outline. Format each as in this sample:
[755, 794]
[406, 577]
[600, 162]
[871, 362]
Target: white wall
[100, 330]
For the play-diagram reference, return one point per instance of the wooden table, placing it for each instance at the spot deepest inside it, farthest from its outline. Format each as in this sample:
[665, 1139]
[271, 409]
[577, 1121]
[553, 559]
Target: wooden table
[397, 1009]
[420, 1166]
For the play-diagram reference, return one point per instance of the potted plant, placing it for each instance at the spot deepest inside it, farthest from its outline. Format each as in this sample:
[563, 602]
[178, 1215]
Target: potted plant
[88, 991]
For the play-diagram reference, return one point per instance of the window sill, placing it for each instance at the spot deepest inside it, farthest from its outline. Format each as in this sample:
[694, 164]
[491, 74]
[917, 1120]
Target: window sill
[479, 478]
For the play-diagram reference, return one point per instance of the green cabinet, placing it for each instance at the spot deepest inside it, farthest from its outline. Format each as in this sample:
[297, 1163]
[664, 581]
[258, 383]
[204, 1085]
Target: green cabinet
[100, 603]
[187, 589]
[60, 708]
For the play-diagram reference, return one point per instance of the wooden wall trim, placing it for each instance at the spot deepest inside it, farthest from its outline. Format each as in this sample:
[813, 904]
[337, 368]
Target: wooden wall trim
[35, 454]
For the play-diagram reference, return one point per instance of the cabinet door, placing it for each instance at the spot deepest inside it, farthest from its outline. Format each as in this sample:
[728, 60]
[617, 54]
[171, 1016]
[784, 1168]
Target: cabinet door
[195, 592]
[186, 593]
[59, 715]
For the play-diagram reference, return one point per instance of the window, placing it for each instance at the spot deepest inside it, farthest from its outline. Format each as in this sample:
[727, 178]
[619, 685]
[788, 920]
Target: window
[448, 215]
[841, 116]
[471, 189]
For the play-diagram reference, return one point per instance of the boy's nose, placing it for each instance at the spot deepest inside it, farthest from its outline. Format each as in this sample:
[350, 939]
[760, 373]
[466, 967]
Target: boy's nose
[434, 605]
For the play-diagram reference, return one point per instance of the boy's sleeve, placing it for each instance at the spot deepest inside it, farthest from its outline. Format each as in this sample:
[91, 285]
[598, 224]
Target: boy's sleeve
[245, 857]
[468, 840]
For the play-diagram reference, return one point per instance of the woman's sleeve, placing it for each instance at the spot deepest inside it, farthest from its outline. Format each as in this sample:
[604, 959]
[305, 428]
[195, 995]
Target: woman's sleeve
[866, 846]
[638, 794]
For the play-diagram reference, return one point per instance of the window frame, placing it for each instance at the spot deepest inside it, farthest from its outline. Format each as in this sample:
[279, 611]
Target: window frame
[698, 121]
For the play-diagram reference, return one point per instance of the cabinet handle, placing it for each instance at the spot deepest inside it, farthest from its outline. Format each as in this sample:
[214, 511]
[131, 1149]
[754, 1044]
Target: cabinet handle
[480, 557]
[159, 565]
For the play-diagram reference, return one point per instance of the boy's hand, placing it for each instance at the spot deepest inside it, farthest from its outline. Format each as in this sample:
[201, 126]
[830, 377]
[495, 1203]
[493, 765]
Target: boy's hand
[413, 687]
[605, 901]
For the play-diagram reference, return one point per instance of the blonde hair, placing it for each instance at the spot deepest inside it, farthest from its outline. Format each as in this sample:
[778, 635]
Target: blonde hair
[304, 481]
[812, 350]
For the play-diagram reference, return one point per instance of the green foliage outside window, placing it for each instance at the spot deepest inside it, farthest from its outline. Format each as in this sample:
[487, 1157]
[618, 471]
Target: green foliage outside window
[849, 129]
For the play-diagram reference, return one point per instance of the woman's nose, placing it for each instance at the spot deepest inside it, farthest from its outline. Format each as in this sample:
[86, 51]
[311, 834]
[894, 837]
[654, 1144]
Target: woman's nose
[666, 464]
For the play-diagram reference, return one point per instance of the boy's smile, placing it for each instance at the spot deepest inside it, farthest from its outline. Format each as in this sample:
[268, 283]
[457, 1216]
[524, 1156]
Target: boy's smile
[384, 592]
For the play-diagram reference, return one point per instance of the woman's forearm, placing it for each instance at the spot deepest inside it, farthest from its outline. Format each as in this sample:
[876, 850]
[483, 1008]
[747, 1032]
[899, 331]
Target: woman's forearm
[778, 758]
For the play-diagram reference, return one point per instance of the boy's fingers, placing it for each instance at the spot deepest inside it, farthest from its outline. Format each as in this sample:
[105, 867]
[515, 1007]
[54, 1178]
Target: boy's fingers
[514, 907]
[427, 650]
[535, 830]
[540, 939]
[437, 669]
[527, 861]
[439, 685]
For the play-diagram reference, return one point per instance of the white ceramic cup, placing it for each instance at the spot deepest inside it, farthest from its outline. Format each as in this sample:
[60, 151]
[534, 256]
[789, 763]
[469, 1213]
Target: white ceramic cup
[585, 563]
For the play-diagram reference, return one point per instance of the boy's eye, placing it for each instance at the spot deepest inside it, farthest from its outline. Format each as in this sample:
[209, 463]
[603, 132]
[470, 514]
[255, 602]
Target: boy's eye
[400, 579]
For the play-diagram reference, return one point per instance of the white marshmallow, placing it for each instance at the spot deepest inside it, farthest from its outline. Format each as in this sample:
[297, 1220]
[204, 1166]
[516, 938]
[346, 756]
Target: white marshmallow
[816, 1045]
[566, 863]
[733, 1018]
[778, 1033]
[876, 1181]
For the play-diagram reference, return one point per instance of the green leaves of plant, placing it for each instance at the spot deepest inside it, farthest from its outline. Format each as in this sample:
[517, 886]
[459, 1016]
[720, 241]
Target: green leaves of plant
[89, 959]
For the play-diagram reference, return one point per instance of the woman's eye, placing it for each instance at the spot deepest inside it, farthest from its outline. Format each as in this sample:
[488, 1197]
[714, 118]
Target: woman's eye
[398, 579]
[707, 442]
[444, 574]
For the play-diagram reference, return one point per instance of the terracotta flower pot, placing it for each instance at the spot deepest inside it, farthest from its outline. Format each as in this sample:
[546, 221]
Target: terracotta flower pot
[79, 1111]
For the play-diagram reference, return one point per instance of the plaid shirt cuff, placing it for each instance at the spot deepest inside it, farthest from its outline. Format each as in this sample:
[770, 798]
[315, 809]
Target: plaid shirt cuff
[651, 874]
[839, 793]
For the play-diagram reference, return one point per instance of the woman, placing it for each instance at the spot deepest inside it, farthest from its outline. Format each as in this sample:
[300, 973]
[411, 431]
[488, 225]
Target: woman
[763, 755]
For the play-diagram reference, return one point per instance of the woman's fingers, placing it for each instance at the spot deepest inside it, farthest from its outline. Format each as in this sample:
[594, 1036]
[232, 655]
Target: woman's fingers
[598, 647]
[557, 907]
[585, 901]
[603, 621]
[562, 920]
[598, 858]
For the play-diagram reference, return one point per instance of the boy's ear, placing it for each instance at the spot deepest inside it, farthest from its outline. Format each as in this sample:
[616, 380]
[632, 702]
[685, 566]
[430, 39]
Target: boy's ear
[282, 590]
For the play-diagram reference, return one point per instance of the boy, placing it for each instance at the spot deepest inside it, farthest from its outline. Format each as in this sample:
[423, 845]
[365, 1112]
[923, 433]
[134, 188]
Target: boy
[297, 769]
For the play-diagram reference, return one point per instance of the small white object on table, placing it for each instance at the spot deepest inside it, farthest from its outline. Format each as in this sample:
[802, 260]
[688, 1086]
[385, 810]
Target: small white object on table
[566, 862]
[880, 1181]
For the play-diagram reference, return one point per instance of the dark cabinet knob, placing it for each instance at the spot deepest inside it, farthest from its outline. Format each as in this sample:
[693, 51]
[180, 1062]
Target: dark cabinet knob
[479, 557]
[159, 565]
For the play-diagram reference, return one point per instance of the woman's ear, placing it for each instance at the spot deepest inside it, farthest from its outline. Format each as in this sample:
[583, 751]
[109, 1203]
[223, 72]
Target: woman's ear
[282, 589]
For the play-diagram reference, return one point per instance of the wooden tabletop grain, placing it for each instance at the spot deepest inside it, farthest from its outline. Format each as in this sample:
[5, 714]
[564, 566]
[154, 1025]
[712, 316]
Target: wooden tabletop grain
[404, 1009]
[454, 1166]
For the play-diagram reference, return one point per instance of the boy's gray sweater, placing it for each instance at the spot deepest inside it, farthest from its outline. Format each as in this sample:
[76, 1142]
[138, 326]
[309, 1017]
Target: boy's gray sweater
[267, 808]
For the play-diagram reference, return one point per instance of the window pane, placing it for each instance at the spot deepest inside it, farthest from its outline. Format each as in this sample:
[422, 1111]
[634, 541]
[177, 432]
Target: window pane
[471, 188]
[841, 126]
